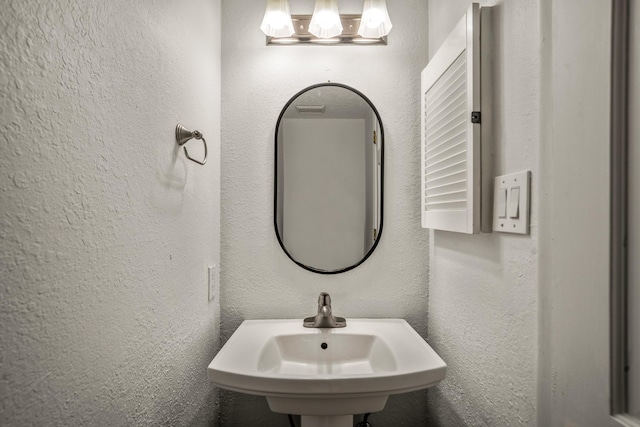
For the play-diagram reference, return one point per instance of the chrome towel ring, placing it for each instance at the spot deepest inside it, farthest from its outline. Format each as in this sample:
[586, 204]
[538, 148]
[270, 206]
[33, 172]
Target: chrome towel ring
[183, 135]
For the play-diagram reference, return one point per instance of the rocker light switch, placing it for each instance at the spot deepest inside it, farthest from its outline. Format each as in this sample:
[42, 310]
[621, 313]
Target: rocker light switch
[511, 203]
[514, 202]
[502, 202]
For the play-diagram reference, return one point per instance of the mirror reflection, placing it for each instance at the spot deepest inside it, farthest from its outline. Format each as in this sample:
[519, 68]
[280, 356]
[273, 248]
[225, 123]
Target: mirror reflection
[328, 183]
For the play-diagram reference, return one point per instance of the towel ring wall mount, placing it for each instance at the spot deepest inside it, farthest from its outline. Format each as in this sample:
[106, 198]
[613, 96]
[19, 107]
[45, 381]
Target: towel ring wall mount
[183, 135]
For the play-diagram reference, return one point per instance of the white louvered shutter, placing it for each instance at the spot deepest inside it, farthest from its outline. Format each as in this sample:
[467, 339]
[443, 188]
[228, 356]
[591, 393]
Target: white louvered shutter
[450, 96]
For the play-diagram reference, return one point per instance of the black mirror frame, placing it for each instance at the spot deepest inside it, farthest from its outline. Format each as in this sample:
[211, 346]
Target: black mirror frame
[275, 175]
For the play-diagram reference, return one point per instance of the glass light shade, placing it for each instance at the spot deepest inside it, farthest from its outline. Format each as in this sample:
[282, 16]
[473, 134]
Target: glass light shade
[277, 19]
[325, 22]
[375, 21]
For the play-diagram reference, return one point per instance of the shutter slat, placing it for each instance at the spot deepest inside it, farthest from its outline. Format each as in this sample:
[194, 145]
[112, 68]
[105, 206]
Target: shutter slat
[447, 145]
[449, 81]
[447, 206]
[446, 179]
[457, 98]
[454, 97]
[449, 162]
[452, 185]
[447, 197]
[456, 123]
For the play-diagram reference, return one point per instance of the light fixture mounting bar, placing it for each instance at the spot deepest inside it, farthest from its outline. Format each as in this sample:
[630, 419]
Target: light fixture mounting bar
[350, 24]
[310, 109]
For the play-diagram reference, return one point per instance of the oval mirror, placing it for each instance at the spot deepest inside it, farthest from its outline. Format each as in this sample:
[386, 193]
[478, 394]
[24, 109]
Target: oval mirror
[328, 178]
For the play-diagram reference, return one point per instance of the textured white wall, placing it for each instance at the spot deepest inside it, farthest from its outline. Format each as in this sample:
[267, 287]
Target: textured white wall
[258, 280]
[483, 289]
[105, 228]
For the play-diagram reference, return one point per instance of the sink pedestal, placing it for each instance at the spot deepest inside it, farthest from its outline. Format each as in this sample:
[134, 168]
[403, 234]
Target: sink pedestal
[331, 421]
[327, 406]
[327, 411]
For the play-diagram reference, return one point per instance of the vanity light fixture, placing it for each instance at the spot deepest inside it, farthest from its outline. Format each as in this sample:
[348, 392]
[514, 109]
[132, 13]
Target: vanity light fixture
[326, 25]
[325, 22]
[375, 19]
[277, 19]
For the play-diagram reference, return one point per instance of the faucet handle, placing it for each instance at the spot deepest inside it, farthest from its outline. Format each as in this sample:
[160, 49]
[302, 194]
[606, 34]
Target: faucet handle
[324, 299]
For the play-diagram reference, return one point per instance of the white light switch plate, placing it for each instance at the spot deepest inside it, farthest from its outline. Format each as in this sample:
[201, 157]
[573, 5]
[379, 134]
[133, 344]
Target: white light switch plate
[517, 188]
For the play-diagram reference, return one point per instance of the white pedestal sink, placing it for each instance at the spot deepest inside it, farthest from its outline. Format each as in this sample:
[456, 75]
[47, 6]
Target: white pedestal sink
[326, 375]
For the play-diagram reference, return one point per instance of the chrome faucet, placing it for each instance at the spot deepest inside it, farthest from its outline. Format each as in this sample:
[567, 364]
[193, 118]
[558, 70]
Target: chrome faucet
[324, 318]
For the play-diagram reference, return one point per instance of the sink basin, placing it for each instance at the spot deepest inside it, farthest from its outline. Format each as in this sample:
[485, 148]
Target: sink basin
[326, 373]
[342, 354]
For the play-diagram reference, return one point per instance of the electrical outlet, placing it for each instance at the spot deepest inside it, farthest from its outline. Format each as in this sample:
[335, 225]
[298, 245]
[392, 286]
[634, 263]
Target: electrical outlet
[213, 279]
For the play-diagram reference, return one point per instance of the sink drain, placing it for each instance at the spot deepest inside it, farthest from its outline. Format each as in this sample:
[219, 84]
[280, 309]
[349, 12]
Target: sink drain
[324, 345]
